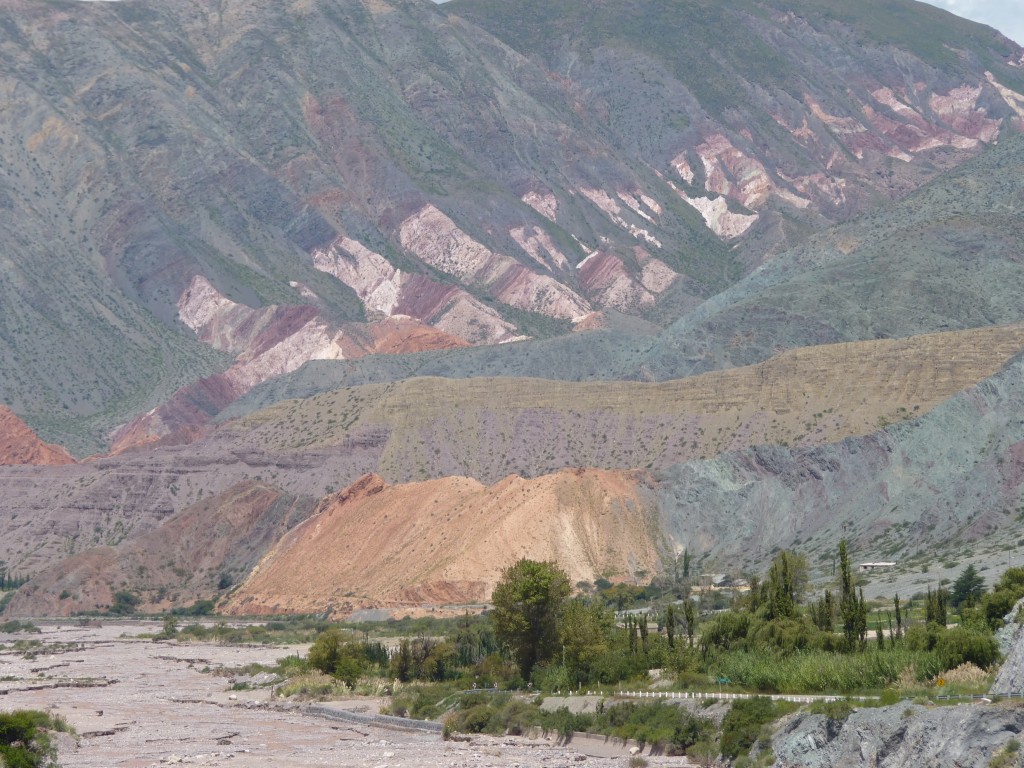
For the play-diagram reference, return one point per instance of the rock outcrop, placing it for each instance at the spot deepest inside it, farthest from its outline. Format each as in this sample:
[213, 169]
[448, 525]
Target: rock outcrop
[266, 342]
[1010, 677]
[898, 736]
[20, 445]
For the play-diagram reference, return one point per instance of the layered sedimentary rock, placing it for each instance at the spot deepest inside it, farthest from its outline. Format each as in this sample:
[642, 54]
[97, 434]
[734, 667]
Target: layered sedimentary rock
[266, 342]
[446, 541]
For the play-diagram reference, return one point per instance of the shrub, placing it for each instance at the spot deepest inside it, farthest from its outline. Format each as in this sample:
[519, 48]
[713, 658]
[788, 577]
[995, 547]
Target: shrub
[474, 719]
[824, 671]
[836, 711]
[13, 626]
[125, 603]
[923, 637]
[314, 685]
[24, 738]
[742, 724]
[420, 702]
[959, 646]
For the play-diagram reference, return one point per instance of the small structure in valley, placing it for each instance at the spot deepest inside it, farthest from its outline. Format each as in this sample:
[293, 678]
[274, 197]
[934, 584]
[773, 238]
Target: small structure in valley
[866, 567]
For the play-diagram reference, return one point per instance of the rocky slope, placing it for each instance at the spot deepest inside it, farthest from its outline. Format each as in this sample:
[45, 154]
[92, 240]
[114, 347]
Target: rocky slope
[192, 556]
[403, 547]
[20, 445]
[485, 428]
[266, 343]
[761, 152]
[908, 493]
[376, 158]
[432, 428]
[947, 257]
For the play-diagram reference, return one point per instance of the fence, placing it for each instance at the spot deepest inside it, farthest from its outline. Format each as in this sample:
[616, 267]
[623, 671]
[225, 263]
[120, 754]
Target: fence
[726, 696]
[387, 721]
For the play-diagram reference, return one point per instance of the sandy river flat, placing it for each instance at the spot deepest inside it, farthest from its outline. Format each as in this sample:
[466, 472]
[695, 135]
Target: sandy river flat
[136, 703]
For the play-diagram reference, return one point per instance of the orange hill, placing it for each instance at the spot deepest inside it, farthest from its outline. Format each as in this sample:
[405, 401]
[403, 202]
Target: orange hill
[446, 541]
[20, 445]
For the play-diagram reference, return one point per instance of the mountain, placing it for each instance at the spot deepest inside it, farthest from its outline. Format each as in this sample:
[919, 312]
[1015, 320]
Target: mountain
[771, 116]
[728, 277]
[933, 493]
[842, 440]
[346, 161]
[948, 256]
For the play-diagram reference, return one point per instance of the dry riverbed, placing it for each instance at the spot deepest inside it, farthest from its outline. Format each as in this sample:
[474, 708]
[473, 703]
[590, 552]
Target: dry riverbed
[136, 703]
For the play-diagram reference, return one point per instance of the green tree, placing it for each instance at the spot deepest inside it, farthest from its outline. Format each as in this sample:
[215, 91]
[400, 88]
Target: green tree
[170, 628]
[350, 663]
[935, 606]
[850, 608]
[528, 603]
[784, 586]
[823, 612]
[968, 588]
[325, 651]
[125, 603]
[959, 645]
[690, 617]
[401, 663]
[584, 631]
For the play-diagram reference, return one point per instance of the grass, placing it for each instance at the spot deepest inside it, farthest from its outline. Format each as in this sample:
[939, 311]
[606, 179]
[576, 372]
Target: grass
[314, 686]
[825, 672]
[271, 633]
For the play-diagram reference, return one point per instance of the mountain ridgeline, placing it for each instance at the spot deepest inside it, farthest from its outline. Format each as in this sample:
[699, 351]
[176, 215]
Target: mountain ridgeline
[338, 162]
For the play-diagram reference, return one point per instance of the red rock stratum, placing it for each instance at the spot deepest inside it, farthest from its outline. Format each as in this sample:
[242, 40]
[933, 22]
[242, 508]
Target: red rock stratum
[20, 445]
[446, 541]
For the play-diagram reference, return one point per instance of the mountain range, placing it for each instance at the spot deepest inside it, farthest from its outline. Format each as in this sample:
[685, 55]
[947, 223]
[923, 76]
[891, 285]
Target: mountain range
[722, 277]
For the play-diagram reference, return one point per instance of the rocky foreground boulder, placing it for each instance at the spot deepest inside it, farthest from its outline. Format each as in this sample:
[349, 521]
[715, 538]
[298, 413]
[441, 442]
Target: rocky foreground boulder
[900, 735]
[910, 734]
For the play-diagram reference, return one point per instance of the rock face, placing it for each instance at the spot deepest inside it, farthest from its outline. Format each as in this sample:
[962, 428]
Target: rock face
[266, 343]
[1010, 677]
[386, 290]
[20, 445]
[446, 541]
[897, 736]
